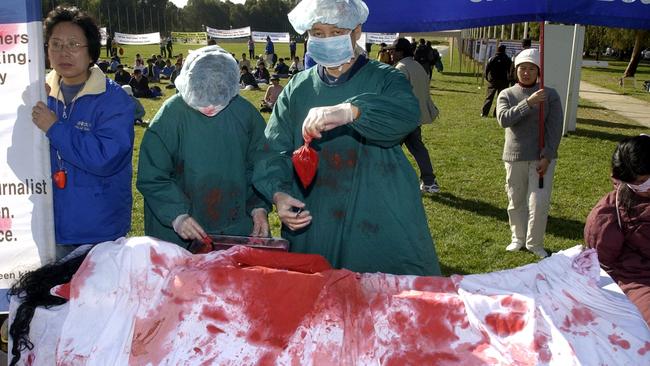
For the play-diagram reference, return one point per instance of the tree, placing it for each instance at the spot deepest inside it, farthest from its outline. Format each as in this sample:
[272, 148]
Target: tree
[630, 70]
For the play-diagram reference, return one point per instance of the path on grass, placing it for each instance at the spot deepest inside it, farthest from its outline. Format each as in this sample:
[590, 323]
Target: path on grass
[635, 109]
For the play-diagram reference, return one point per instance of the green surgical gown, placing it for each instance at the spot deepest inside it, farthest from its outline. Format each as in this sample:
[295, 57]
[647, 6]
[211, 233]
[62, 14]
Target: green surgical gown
[201, 166]
[365, 201]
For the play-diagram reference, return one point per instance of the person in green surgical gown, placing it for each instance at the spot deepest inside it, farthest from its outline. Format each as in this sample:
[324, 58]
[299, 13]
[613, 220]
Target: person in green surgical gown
[363, 210]
[197, 157]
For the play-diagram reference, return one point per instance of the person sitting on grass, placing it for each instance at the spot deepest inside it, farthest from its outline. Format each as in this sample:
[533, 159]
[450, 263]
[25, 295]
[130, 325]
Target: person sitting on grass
[618, 227]
[140, 85]
[281, 69]
[166, 72]
[262, 75]
[247, 80]
[272, 94]
[122, 76]
[296, 66]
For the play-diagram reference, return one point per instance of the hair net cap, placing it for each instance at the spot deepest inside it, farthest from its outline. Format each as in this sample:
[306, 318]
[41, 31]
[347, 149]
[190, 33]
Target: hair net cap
[341, 13]
[528, 55]
[209, 77]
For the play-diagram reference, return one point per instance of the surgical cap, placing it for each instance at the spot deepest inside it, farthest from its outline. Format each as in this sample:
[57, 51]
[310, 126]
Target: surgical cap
[209, 77]
[341, 13]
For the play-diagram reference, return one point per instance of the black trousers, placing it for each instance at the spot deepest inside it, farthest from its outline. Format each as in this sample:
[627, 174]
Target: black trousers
[493, 89]
[415, 146]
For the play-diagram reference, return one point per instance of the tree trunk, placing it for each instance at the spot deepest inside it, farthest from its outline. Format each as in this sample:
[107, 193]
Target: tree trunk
[630, 70]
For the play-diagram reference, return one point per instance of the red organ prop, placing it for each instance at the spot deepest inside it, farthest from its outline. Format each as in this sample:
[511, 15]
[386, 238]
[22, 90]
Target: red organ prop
[139, 301]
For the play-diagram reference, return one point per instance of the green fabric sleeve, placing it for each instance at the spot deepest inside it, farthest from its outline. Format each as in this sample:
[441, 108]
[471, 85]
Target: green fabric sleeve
[387, 117]
[274, 172]
[156, 170]
[254, 154]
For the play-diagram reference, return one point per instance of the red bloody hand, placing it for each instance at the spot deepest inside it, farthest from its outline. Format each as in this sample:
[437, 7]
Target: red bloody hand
[305, 162]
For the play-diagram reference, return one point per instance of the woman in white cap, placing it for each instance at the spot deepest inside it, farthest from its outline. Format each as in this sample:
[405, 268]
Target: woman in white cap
[197, 157]
[363, 210]
[518, 112]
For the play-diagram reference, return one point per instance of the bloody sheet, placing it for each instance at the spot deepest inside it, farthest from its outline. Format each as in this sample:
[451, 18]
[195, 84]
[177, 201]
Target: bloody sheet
[140, 301]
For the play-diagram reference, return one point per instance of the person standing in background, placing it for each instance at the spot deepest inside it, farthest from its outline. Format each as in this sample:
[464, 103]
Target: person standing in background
[88, 121]
[417, 76]
[518, 113]
[497, 73]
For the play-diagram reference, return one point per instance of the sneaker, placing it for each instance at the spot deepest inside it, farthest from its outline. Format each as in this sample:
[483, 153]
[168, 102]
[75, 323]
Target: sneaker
[430, 188]
[514, 246]
[540, 252]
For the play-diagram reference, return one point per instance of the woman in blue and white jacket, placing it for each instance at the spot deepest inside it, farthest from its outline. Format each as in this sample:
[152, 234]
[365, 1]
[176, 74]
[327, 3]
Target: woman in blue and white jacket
[88, 120]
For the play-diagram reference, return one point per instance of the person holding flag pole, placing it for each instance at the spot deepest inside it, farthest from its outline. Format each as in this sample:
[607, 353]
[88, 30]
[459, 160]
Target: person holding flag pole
[532, 116]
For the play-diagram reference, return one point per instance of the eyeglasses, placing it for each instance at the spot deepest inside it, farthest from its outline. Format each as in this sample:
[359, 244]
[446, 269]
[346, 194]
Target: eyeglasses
[71, 46]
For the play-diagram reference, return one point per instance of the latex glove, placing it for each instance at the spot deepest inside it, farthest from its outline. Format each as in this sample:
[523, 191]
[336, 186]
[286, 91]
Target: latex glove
[321, 119]
[260, 222]
[536, 98]
[43, 117]
[187, 228]
[542, 166]
[285, 205]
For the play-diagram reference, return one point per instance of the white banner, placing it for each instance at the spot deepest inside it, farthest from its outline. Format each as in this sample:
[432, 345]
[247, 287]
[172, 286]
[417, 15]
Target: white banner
[148, 38]
[26, 216]
[228, 33]
[200, 38]
[102, 32]
[378, 38]
[275, 37]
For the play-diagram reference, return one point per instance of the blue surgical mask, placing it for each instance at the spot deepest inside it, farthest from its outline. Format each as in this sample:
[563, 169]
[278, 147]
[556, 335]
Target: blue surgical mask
[331, 51]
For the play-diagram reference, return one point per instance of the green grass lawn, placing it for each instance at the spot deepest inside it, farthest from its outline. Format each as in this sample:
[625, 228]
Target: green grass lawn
[468, 218]
[609, 78]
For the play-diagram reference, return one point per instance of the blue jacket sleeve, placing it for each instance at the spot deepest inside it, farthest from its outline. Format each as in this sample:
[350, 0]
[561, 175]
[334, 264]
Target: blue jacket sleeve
[102, 150]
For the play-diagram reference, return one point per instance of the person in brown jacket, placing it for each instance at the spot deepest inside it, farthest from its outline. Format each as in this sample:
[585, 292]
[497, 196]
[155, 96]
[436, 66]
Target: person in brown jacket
[619, 226]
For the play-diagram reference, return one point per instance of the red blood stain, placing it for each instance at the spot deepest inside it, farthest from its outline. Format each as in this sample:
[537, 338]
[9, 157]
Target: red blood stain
[62, 291]
[645, 349]
[506, 324]
[79, 279]
[213, 312]
[582, 315]
[616, 340]
[431, 321]
[336, 162]
[212, 329]
[338, 214]
[434, 284]
[540, 345]
[158, 262]
[514, 304]
[212, 202]
[351, 160]
[30, 359]
[5, 223]
[10, 31]
[180, 168]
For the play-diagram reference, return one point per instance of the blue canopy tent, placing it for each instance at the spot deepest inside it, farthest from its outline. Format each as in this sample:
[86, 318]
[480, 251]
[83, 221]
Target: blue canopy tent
[426, 15]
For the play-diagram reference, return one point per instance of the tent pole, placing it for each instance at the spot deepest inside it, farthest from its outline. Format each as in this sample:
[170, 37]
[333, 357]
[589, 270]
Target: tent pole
[541, 105]
[525, 30]
[570, 91]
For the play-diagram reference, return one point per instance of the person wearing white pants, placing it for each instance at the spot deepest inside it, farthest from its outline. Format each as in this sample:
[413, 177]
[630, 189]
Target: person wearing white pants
[528, 204]
[518, 113]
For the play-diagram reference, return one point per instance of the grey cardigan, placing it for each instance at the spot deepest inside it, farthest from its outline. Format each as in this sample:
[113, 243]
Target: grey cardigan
[521, 124]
